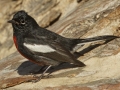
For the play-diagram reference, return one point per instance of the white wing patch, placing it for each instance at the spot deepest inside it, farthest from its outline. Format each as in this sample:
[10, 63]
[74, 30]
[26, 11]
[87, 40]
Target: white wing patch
[39, 48]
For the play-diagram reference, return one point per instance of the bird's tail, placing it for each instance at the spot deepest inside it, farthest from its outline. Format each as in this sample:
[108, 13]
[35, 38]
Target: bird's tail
[98, 38]
[81, 42]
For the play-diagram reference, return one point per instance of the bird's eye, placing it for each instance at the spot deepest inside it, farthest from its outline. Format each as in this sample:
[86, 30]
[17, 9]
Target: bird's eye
[22, 21]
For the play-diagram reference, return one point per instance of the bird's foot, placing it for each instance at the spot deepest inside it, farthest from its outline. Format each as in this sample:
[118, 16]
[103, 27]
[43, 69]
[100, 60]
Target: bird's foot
[38, 78]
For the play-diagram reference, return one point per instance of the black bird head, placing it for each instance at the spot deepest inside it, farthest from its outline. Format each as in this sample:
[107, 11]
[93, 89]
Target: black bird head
[22, 22]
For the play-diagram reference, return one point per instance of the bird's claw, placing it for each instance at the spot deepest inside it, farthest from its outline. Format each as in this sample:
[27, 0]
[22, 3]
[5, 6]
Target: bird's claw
[37, 78]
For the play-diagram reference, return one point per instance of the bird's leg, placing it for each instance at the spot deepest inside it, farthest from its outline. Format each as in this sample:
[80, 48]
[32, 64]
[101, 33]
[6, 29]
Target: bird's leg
[45, 71]
[48, 75]
[40, 77]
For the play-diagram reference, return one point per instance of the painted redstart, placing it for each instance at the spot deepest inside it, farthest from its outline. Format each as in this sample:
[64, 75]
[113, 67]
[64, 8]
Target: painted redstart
[44, 47]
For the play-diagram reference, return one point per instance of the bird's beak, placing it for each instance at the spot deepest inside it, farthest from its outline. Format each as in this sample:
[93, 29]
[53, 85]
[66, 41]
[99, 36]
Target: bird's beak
[13, 21]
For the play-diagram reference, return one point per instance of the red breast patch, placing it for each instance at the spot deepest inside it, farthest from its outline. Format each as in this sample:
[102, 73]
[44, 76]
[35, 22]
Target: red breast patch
[15, 41]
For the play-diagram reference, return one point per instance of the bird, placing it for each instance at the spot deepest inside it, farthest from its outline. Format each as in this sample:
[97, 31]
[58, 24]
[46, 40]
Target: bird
[44, 47]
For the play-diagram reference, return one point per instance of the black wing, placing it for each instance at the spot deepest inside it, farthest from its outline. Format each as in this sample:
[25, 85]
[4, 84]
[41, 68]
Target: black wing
[50, 51]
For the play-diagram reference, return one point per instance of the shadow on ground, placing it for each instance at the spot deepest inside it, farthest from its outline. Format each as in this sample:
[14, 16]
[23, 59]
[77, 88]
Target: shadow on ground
[28, 68]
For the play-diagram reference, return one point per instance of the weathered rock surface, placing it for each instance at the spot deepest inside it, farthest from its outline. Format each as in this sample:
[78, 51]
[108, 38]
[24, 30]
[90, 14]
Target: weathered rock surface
[88, 18]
